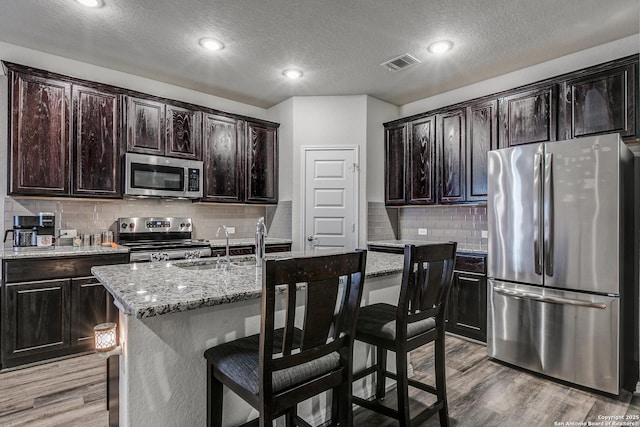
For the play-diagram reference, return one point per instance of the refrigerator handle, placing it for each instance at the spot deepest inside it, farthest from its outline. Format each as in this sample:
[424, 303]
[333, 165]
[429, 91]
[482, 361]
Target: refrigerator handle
[548, 214]
[537, 214]
[549, 299]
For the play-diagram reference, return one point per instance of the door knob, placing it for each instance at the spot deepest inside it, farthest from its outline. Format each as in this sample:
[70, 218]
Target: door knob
[311, 238]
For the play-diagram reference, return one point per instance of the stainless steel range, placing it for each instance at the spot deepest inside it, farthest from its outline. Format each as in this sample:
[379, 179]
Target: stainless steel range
[160, 238]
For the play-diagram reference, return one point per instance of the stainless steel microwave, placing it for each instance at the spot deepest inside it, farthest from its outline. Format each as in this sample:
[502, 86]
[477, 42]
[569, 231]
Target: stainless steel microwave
[156, 176]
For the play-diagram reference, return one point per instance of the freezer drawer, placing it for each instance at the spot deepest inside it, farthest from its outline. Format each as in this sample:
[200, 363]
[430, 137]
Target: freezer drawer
[567, 335]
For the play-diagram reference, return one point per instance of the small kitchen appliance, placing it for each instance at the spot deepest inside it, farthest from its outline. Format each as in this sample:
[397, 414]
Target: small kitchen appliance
[166, 177]
[160, 238]
[32, 230]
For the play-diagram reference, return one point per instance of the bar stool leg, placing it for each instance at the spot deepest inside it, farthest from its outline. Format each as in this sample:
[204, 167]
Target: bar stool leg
[381, 378]
[441, 386]
[214, 399]
[402, 387]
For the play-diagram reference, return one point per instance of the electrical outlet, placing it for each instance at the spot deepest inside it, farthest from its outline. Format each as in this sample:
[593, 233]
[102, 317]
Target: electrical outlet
[484, 234]
[422, 231]
[68, 233]
[231, 230]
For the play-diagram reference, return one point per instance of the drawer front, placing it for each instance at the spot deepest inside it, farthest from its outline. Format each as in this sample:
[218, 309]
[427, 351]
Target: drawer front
[471, 263]
[26, 270]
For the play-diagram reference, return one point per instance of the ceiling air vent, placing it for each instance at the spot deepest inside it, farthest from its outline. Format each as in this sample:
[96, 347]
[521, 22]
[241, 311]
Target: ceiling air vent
[401, 62]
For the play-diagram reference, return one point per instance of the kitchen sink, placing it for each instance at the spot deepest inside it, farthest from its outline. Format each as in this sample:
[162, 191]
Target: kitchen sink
[218, 265]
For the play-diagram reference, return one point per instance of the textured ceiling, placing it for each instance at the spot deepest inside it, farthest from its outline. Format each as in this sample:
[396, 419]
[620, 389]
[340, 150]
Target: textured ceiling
[339, 44]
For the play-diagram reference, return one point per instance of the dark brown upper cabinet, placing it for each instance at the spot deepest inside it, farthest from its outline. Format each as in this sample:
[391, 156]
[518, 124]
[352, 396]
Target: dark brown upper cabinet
[528, 116]
[599, 102]
[183, 133]
[40, 129]
[145, 126]
[451, 134]
[223, 166]
[261, 148]
[395, 145]
[96, 154]
[154, 127]
[421, 164]
[482, 136]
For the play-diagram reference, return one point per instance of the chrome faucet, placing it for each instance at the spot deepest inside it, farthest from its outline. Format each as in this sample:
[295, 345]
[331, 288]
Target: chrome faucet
[226, 233]
[261, 233]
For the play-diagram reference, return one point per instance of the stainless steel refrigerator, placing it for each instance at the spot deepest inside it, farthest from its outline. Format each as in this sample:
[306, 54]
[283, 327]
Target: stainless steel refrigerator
[561, 259]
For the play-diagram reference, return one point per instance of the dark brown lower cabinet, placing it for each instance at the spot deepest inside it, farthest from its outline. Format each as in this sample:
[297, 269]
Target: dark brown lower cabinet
[36, 318]
[49, 307]
[88, 309]
[467, 307]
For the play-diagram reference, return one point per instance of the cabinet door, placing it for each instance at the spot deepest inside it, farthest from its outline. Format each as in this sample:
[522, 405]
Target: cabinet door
[599, 103]
[528, 117]
[482, 136]
[451, 148]
[395, 143]
[468, 306]
[223, 167]
[96, 157]
[184, 136]
[145, 126]
[36, 319]
[39, 136]
[421, 151]
[261, 145]
[88, 308]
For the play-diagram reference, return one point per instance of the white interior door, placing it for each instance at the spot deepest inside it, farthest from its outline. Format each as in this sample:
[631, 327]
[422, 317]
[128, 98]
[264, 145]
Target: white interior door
[330, 198]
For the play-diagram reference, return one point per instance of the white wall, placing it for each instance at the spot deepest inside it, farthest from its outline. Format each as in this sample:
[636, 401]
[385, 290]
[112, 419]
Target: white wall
[283, 113]
[320, 121]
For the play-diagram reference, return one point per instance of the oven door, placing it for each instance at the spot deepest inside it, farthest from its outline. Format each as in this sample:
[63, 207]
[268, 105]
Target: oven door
[155, 176]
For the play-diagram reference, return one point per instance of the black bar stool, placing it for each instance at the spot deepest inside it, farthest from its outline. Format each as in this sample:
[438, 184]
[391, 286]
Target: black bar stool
[417, 320]
[282, 366]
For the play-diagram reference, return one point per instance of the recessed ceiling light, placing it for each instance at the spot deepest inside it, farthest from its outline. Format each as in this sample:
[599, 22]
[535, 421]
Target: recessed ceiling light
[441, 46]
[292, 73]
[211, 44]
[91, 3]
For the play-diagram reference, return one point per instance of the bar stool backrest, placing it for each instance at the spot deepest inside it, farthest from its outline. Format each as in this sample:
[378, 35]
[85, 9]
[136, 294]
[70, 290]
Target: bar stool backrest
[426, 282]
[332, 286]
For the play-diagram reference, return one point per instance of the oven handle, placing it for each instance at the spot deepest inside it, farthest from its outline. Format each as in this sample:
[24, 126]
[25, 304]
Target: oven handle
[553, 300]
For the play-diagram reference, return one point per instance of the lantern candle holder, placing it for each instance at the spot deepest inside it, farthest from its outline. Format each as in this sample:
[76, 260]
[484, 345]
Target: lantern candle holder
[106, 340]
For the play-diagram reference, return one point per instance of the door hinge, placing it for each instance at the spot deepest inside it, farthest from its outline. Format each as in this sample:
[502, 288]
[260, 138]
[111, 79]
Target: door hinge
[355, 167]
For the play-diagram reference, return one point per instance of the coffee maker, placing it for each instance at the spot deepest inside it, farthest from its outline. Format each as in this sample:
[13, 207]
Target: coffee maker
[32, 230]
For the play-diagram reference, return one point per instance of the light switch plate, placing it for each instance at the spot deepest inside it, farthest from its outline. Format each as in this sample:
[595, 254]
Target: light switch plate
[422, 231]
[231, 230]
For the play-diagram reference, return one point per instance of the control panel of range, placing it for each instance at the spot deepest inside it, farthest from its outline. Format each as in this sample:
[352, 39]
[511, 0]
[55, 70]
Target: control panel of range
[153, 225]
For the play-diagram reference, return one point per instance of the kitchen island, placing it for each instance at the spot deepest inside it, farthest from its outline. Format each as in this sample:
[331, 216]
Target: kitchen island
[171, 312]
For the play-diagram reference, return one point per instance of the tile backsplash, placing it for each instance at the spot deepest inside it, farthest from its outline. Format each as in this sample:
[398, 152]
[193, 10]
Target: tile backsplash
[466, 225]
[95, 215]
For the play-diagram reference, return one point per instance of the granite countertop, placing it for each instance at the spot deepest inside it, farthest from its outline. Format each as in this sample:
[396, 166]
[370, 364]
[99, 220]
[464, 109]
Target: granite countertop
[60, 251]
[401, 243]
[248, 241]
[151, 289]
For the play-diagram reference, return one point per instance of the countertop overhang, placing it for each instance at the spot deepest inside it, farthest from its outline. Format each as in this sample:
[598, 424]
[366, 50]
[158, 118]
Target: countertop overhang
[152, 289]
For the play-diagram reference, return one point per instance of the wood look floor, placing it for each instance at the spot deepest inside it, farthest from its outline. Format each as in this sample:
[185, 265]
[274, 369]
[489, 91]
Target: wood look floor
[482, 393]
[69, 392]
[486, 393]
